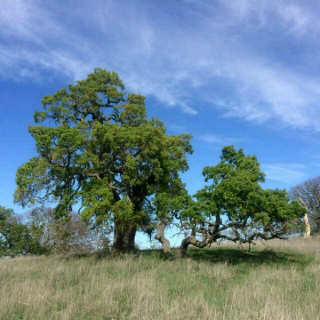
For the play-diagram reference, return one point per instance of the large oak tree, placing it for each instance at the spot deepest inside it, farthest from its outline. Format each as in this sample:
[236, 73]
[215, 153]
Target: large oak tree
[98, 151]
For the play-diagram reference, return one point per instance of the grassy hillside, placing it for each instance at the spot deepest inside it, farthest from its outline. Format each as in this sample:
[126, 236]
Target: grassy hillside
[281, 281]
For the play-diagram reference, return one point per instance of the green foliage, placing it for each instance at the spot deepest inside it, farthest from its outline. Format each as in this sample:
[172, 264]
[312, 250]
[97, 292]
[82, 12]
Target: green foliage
[234, 206]
[101, 153]
[15, 237]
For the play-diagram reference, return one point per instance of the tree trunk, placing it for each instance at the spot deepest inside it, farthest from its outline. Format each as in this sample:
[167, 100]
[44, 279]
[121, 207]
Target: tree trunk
[161, 237]
[124, 235]
[307, 225]
[191, 240]
[306, 220]
[183, 247]
[317, 221]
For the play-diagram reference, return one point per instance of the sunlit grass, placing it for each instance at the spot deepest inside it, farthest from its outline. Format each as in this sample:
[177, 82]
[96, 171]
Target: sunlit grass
[281, 281]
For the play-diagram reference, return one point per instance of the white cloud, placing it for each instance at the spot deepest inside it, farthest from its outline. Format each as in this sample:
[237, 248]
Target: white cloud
[297, 19]
[288, 173]
[211, 55]
[218, 139]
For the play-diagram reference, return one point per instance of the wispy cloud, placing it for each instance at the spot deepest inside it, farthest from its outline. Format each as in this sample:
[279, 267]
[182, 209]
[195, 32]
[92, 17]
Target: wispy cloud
[218, 139]
[243, 57]
[177, 128]
[288, 173]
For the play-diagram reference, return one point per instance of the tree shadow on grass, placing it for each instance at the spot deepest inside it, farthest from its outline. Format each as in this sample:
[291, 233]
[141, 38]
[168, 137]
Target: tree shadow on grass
[235, 256]
[231, 256]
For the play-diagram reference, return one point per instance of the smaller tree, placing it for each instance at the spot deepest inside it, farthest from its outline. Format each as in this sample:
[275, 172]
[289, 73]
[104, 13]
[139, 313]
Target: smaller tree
[308, 194]
[15, 237]
[233, 206]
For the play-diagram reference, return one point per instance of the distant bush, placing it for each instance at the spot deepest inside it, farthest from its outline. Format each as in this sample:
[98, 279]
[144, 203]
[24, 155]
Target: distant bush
[42, 233]
[68, 235]
[16, 238]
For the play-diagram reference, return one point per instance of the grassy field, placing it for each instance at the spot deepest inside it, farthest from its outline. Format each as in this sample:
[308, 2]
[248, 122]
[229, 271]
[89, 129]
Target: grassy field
[281, 281]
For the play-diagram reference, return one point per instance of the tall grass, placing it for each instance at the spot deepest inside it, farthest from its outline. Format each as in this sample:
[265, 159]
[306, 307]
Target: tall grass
[281, 281]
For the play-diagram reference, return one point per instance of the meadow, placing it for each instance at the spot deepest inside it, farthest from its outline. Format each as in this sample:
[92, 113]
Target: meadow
[280, 281]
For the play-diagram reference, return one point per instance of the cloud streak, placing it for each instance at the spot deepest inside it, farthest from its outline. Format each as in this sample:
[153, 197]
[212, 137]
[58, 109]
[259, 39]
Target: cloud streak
[244, 59]
[218, 139]
[288, 173]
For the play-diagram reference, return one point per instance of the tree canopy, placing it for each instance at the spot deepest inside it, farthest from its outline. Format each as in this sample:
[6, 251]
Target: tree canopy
[233, 205]
[98, 151]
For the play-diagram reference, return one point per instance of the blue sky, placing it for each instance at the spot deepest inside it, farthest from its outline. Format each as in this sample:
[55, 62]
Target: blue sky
[240, 72]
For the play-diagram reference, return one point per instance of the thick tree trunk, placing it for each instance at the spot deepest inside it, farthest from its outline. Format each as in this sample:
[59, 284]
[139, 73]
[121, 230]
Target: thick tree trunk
[183, 247]
[124, 235]
[161, 237]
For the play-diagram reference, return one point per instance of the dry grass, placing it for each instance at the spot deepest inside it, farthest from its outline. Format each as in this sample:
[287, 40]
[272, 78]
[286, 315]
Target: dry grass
[282, 282]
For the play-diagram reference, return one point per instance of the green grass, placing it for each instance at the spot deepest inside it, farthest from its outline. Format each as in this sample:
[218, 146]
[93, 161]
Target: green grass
[280, 282]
